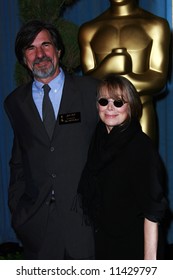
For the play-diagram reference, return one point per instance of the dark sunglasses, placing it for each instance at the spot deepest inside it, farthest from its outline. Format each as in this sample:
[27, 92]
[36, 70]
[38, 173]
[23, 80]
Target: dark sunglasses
[117, 103]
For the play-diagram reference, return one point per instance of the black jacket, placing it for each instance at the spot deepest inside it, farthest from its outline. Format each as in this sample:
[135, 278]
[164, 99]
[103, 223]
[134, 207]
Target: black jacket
[39, 165]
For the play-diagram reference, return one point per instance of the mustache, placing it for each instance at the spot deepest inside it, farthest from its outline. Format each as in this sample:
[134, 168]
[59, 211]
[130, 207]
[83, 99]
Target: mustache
[38, 60]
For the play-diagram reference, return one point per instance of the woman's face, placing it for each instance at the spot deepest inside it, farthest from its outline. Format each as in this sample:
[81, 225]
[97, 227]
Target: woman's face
[110, 114]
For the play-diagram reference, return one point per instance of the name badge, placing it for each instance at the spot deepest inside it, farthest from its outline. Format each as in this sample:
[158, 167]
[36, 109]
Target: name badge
[70, 118]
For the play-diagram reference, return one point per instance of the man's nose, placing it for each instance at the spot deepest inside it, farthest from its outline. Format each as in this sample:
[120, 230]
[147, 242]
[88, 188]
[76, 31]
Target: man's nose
[39, 52]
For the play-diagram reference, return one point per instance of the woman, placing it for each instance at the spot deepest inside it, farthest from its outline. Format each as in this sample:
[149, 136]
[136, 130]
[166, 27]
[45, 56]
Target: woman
[122, 184]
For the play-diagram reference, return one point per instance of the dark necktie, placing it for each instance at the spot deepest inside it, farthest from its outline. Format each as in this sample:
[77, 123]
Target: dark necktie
[48, 112]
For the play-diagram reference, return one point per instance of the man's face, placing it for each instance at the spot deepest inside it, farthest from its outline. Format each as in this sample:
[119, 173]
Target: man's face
[42, 57]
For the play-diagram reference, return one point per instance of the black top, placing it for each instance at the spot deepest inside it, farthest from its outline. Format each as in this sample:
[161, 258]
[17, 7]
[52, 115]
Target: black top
[121, 184]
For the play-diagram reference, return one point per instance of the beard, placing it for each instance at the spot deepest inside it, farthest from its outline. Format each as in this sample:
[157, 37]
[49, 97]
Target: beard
[44, 72]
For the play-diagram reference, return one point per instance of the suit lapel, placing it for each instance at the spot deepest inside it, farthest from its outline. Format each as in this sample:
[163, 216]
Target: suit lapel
[32, 113]
[68, 95]
[69, 102]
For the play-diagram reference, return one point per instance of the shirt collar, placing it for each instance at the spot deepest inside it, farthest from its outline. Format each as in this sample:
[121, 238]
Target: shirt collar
[55, 84]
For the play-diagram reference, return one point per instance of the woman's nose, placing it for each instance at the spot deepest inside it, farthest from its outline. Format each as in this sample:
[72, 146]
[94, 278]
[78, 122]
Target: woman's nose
[110, 105]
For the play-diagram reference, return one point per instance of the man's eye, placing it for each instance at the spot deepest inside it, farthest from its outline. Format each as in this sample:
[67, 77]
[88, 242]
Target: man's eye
[46, 45]
[30, 48]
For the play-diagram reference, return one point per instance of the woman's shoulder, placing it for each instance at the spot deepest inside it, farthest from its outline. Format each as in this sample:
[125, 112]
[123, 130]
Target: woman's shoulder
[144, 146]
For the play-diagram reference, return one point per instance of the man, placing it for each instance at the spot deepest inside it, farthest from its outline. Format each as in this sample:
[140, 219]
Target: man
[46, 165]
[132, 42]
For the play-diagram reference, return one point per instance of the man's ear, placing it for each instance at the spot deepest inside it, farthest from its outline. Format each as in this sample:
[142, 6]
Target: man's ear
[24, 60]
[59, 53]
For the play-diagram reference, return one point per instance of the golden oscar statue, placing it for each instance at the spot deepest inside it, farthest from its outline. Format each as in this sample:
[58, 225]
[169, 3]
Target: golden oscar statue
[132, 42]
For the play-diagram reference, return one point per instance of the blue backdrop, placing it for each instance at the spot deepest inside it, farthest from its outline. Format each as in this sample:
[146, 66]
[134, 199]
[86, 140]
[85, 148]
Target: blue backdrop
[79, 13]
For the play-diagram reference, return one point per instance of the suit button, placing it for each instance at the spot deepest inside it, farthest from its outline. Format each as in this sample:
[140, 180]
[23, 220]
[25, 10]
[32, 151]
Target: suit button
[53, 175]
[52, 149]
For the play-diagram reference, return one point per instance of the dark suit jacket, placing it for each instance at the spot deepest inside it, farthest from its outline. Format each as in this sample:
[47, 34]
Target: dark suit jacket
[39, 165]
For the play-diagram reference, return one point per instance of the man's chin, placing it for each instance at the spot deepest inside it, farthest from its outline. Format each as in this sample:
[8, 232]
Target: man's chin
[42, 74]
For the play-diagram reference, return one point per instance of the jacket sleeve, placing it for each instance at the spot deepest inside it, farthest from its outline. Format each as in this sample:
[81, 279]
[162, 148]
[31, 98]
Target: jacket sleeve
[149, 184]
[17, 181]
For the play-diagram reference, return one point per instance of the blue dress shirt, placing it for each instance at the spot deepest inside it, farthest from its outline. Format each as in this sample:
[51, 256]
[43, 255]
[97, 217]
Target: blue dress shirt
[55, 93]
